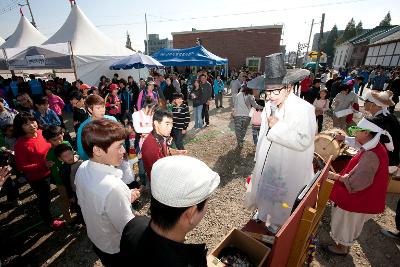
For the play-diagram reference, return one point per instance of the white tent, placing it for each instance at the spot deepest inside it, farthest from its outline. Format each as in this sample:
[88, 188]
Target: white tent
[2, 41]
[93, 51]
[24, 35]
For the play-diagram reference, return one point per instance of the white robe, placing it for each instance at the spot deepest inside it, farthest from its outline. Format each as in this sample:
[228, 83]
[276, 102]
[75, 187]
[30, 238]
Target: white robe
[287, 153]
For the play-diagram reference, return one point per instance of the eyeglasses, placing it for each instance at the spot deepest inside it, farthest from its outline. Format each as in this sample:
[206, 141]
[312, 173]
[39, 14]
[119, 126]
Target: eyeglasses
[275, 91]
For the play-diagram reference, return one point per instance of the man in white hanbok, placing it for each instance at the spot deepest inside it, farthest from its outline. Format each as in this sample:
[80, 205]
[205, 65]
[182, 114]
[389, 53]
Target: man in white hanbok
[285, 148]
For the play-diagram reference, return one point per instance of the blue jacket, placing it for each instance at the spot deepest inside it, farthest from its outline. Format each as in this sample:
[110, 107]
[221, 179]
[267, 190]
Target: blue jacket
[163, 85]
[36, 87]
[126, 100]
[14, 88]
[81, 151]
[218, 86]
[379, 81]
[49, 118]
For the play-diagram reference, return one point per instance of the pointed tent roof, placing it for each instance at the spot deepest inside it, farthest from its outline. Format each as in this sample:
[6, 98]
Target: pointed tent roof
[24, 35]
[85, 38]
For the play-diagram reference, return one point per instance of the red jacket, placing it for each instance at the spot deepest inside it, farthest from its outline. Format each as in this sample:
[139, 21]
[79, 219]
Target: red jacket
[370, 200]
[151, 152]
[30, 156]
[305, 84]
[113, 100]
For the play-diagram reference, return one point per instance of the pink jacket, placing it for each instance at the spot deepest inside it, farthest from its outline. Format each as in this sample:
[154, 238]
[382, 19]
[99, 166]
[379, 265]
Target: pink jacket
[56, 104]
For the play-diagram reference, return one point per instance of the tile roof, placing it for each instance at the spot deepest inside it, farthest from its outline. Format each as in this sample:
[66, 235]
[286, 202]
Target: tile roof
[365, 37]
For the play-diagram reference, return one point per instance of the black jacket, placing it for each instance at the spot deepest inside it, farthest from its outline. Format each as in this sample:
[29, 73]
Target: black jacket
[169, 93]
[141, 246]
[392, 125]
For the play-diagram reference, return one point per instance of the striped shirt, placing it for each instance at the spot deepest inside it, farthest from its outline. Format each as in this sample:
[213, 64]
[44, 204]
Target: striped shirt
[181, 117]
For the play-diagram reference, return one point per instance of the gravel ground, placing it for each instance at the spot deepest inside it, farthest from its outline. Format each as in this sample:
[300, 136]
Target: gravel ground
[215, 145]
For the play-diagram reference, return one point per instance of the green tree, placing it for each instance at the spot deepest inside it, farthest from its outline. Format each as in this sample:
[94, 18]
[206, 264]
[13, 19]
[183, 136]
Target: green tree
[386, 20]
[348, 33]
[350, 30]
[359, 28]
[329, 46]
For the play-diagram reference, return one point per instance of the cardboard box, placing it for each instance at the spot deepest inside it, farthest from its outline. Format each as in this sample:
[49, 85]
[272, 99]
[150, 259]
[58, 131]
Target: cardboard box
[394, 185]
[255, 250]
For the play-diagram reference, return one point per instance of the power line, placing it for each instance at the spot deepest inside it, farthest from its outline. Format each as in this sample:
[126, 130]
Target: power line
[9, 7]
[237, 14]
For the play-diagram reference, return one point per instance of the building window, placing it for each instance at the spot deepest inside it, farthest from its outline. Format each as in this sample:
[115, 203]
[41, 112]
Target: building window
[253, 63]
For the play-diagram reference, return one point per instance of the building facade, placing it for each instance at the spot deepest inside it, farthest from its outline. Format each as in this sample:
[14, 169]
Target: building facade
[384, 50]
[245, 46]
[354, 52]
[342, 55]
[155, 44]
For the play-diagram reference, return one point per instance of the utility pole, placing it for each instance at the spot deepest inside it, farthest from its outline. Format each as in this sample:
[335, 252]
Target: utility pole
[147, 36]
[321, 33]
[297, 54]
[309, 37]
[30, 10]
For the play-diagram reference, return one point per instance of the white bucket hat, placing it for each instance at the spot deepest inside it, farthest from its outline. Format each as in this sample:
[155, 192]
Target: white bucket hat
[182, 181]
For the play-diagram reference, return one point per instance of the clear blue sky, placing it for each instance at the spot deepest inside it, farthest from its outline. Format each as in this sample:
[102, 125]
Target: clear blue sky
[116, 17]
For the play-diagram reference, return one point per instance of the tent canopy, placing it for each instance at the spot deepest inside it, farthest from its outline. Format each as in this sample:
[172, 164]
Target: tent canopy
[137, 61]
[24, 35]
[93, 51]
[2, 41]
[52, 56]
[85, 38]
[192, 56]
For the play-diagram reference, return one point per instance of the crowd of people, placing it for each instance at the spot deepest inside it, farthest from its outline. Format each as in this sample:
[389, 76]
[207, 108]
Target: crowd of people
[120, 122]
[115, 124]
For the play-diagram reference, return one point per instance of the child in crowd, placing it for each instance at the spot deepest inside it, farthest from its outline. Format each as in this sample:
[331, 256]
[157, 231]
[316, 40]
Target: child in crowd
[143, 125]
[321, 105]
[84, 89]
[113, 105]
[105, 200]
[7, 157]
[130, 157]
[71, 163]
[181, 119]
[255, 115]
[94, 105]
[9, 143]
[79, 114]
[56, 104]
[9, 138]
[130, 141]
[54, 136]
[44, 115]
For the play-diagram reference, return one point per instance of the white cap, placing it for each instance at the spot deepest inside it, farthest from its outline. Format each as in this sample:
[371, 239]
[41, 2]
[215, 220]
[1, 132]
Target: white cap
[182, 181]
